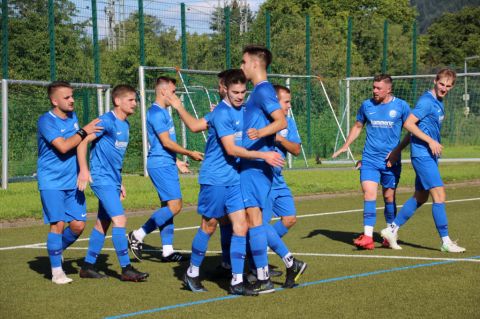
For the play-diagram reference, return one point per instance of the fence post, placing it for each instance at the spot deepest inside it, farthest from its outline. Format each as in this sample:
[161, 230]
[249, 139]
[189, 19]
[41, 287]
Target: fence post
[228, 61]
[4, 39]
[267, 34]
[184, 36]
[141, 32]
[4, 133]
[385, 46]
[414, 60]
[51, 32]
[96, 58]
[309, 83]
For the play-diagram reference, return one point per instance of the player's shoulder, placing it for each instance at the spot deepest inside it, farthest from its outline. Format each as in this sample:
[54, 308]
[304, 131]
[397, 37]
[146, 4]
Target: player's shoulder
[290, 123]
[47, 118]
[367, 103]
[425, 99]
[265, 87]
[402, 103]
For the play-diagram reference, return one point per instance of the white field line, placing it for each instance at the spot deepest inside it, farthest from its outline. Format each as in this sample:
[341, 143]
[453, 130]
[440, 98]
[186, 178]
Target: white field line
[298, 216]
[218, 252]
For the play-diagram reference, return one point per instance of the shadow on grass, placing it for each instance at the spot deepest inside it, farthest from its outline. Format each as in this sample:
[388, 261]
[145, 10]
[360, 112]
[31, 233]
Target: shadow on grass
[348, 237]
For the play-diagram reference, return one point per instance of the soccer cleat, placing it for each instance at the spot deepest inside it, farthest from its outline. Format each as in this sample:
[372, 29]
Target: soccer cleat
[452, 247]
[385, 243]
[364, 242]
[263, 286]
[135, 246]
[88, 271]
[294, 273]
[273, 272]
[61, 279]
[193, 283]
[173, 257]
[242, 289]
[131, 274]
[391, 238]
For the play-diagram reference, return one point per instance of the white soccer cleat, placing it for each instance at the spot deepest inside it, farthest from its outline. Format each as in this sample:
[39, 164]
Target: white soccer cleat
[388, 235]
[452, 247]
[61, 279]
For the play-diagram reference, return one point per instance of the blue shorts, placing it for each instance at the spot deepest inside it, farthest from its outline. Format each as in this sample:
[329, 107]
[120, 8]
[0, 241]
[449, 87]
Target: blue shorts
[255, 181]
[428, 174]
[216, 201]
[279, 204]
[63, 205]
[388, 177]
[109, 204]
[166, 182]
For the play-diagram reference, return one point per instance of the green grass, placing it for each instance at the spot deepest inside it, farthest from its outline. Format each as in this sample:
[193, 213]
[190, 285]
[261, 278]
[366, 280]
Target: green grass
[442, 290]
[22, 200]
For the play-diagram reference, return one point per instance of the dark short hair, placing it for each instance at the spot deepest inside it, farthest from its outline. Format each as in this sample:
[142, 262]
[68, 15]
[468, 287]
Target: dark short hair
[383, 78]
[446, 73]
[279, 88]
[165, 79]
[53, 86]
[234, 76]
[260, 52]
[121, 90]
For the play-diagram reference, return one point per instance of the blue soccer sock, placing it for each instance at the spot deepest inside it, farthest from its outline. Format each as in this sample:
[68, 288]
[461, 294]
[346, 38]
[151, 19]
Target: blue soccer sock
[369, 212]
[258, 244]
[275, 242]
[167, 231]
[199, 247]
[68, 238]
[162, 215]
[440, 217]
[390, 212]
[150, 225]
[407, 211]
[225, 241]
[120, 243]
[95, 245]
[54, 248]
[237, 253]
[281, 229]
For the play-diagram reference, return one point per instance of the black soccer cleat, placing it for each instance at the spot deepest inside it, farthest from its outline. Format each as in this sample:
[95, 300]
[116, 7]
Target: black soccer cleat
[193, 283]
[242, 289]
[135, 246]
[294, 273]
[263, 286]
[88, 271]
[173, 258]
[131, 274]
[274, 273]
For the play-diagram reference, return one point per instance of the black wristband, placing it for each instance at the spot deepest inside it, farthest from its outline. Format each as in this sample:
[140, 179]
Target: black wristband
[82, 133]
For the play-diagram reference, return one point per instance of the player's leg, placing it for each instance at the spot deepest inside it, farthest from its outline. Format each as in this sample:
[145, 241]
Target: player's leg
[95, 245]
[226, 232]
[76, 211]
[369, 178]
[389, 180]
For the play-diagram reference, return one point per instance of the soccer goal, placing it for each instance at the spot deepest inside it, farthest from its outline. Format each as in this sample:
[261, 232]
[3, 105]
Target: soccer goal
[23, 101]
[199, 90]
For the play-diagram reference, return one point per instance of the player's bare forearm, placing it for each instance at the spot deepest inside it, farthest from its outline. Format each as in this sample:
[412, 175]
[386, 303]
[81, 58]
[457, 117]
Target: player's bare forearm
[352, 136]
[82, 152]
[291, 147]
[195, 125]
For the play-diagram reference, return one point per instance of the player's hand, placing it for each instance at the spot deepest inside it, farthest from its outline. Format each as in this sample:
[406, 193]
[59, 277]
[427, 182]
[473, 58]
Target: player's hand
[123, 192]
[196, 156]
[392, 158]
[358, 164]
[212, 107]
[274, 159]
[82, 180]
[436, 148]
[253, 133]
[341, 150]
[183, 167]
[172, 99]
[92, 127]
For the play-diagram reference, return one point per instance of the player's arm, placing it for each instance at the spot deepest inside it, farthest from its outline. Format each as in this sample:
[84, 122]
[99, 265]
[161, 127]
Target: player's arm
[232, 149]
[411, 126]
[84, 173]
[183, 167]
[291, 147]
[65, 145]
[394, 155]
[352, 136]
[195, 125]
[172, 146]
[279, 123]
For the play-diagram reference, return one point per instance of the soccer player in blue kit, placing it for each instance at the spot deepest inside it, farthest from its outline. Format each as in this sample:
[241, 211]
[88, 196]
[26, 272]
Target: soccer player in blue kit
[280, 200]
[425, 124]
[106, 161]
[58, 135]
[383, 115]
[162, 165]
[262, 119]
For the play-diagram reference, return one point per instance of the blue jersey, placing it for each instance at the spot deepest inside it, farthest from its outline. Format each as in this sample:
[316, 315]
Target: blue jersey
[219, 168]
[260, 104]
[56, 171]
[430, 112]
[291, 134]
[108, 151]
[159, 121]
[384, 124]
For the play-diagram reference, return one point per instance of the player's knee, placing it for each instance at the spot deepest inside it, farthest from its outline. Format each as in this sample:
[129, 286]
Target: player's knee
[77, 227]
[289, 221]
[57, 228]
[175, 206]
[240, 229]
[119, 221]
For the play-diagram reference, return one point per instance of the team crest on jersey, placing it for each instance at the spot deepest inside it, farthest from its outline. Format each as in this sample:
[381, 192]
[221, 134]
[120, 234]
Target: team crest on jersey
[392, 114]
[75, 125]
[284, 132]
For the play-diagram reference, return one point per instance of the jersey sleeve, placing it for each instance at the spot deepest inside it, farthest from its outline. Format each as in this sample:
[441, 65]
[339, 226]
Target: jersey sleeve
[208, 118]
[361, 114]
[422, 109]
[405, 111]
[293, 135]
[159, 122]
[48, 129]
[223, 123]
[106, 123]
[268, 99]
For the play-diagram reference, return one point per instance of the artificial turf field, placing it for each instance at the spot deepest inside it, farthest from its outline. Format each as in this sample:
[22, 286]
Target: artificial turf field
[340, 282]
